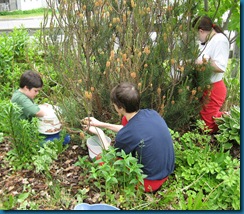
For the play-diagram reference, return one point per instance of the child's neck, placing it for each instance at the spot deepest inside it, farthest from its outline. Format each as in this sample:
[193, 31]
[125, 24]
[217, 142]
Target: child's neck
[22, 90]
[130, 115]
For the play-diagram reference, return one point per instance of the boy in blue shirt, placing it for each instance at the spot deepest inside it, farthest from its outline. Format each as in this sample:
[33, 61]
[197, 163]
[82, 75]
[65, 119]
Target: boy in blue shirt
[146, 135]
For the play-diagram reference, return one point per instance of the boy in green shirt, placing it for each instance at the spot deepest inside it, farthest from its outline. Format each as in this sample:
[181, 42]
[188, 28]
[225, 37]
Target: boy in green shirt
[30, 85]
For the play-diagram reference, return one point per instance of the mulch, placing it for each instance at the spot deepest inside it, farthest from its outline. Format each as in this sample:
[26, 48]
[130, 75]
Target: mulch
[63, 172]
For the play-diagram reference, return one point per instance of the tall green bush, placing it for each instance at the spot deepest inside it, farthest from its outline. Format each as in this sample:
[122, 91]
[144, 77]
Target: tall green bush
[18, 52]
[23, 135]
[97, 44]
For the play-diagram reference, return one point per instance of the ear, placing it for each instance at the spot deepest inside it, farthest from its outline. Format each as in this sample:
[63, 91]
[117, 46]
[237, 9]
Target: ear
[119, 110]
[25, 88]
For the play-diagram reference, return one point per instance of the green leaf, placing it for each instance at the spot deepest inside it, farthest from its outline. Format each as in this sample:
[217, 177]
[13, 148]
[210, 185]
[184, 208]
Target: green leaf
[22, 197]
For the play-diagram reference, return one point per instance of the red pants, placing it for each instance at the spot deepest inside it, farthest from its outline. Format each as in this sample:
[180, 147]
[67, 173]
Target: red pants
[212, 102]
[153, 185]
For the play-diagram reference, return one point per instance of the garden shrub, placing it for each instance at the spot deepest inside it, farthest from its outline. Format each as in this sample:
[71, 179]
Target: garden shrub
[23, 135]
[102, 44]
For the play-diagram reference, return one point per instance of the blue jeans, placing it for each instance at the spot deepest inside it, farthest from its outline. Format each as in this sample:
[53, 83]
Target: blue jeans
[56, 136]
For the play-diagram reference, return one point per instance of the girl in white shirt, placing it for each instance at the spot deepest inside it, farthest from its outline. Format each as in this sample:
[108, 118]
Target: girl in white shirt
[215, 48]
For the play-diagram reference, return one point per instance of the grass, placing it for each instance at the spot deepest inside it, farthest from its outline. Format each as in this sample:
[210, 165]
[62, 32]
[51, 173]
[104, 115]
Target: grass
[18, 14]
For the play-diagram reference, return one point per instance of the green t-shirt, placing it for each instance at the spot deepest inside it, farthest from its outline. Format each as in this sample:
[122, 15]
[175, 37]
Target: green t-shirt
[29, 108]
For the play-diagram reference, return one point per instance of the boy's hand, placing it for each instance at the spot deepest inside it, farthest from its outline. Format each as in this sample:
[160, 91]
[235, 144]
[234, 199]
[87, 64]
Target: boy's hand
[91, 121]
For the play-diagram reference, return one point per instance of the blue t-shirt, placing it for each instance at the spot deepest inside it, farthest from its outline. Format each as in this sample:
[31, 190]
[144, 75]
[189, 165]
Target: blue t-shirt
[147, 137]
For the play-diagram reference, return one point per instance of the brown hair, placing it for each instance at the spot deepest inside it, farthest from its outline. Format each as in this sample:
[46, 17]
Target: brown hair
[126, 95]
[30, 79]
[205, 23]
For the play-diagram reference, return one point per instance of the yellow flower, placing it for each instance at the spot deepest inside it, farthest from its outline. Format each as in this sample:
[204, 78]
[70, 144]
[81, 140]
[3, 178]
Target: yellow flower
[169, 8]
[107, 64]
[124, 17]
[88, 95]
[81, 15]
[112, 54]
[193, 92]
[133, 75]
[124, 56]
[97, 4]
[82, 135]
[203, 68]
[114, 20]
[146, 50]
[181, 68]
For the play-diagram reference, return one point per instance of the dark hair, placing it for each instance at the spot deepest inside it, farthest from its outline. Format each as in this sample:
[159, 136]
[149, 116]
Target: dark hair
[205, 23]
[30, 79]
[126, 95]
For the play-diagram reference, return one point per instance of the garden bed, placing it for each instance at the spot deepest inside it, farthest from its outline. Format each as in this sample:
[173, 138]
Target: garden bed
[66, 178]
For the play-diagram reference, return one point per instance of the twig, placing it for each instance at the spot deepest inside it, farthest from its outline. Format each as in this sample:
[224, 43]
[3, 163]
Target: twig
[72, 131]
[185, 188]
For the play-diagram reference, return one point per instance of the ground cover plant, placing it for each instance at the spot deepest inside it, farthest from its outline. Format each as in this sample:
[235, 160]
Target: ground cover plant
[79, 65]
[205, 178]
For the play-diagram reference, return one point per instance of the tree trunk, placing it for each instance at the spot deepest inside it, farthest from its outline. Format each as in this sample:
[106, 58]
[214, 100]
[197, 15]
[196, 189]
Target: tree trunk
[236, 55]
